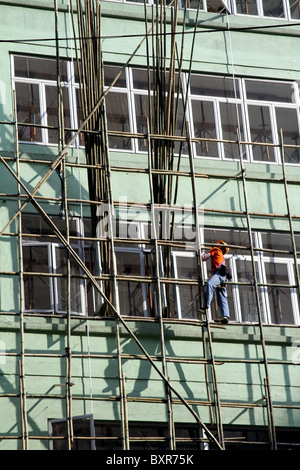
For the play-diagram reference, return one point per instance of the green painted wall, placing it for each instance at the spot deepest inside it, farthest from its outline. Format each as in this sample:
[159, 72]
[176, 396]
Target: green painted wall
[238, 383]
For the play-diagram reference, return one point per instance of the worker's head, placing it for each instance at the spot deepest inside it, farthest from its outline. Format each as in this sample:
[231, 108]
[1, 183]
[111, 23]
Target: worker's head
[223, 246]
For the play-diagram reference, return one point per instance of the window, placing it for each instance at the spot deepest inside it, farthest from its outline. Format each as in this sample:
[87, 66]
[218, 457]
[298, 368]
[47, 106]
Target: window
[186, 295]
[36, 90]
[295, 9]
[45, 269]
[105, 435]
[45, 273]
[273, 8]
[275, 275]
[217, 108]
[257, 438]
[281, 9]
[83, 426]
[135, 297]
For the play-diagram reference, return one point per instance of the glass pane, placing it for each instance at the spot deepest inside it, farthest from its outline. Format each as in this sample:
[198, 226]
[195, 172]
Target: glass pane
[189, 301]
[231, 120]
[118, 119]
[130, 292]
[36, 289]
[36, 225]
[180, 128]
[260, 127]
[239, 238]
[273, 8]
[79, 117]
[140, 79]
[81, 428]
[148, 432]
[51, 103]
[247, 295]
[246, 7]
[204, 127]
[287, 120]
[193, 4]
[128, 263]
[62, 283]
[110, 430]
[295, 9]
[131, 298]
[270, 91]
[277, 241]
[279, 297]
[43, 69]
[28, 111]
[189, 295]
[110, 73]
[186, 267]
[142, 113]
[214, 86]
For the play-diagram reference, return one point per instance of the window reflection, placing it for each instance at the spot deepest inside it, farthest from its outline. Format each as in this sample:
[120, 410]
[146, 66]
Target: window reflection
[37, 289]
[279, 297]
[205, 128]
[287, 120]
[188, 294]
[261, 131]
[231, 119]
[295, 9]
[52, 113]
[273, 8]
[246, 7]
[118, 119]
[247, 296]
[28, 109]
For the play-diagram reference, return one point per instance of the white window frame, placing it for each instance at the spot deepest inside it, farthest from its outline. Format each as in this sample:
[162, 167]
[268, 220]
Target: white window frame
[231, 5]
[70, 85]
[175, 256]
[260, 11]
[271, 105]
[53, 281]
[140, 250]
[240, 101]
[289, 263]
[131, 109]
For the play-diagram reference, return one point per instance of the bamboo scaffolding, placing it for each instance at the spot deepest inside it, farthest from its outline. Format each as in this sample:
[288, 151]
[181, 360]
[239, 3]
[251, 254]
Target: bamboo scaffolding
[271, 425]
[65, 210]
[22, 382]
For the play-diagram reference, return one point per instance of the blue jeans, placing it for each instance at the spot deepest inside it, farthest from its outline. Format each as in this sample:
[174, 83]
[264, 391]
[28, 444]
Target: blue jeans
[221, 293]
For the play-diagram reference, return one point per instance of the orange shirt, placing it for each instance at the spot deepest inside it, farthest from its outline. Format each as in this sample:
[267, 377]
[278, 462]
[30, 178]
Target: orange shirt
[217, 257]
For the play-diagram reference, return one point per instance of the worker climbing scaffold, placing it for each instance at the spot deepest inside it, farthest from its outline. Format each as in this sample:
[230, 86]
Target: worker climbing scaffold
[220, 274]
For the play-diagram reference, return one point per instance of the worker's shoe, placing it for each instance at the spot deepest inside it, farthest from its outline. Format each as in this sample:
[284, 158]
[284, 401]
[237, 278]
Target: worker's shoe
[223, 320]
[203, 307]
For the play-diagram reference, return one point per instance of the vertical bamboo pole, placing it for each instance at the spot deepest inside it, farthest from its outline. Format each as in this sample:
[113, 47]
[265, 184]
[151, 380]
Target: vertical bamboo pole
[201, 285]
[159, 299]
[23, 400]
[272, 433]
[63, 176]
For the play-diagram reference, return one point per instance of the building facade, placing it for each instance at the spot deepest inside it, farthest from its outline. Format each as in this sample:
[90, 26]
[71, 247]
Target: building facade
[134, 137]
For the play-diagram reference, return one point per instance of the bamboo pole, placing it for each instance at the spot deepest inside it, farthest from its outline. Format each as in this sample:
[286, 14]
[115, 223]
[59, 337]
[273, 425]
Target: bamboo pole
[289, 215]
[159, 301]
[23, 400]
[272, 432]
[63, 176]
